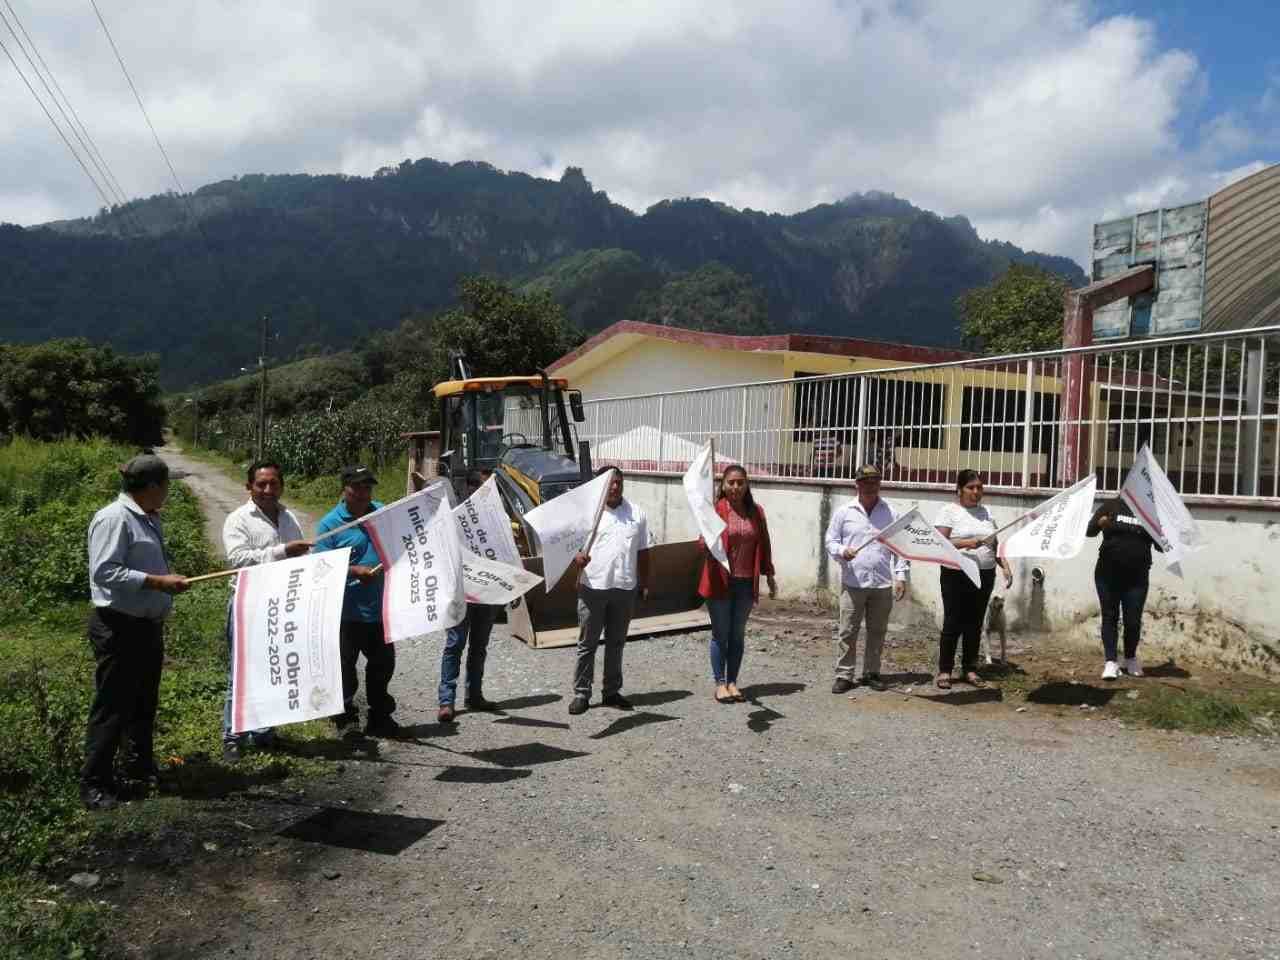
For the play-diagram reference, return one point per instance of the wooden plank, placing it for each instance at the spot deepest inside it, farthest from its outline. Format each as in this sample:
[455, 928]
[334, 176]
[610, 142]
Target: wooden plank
[640, 627]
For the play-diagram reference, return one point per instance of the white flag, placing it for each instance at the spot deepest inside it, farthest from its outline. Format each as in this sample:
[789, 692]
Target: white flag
[699, 488]
[284, 628]
[1056, 528]
[564, 525]
[417, 543]
[1160, 510]
[912, 537]
[494, 582]
[484, 528]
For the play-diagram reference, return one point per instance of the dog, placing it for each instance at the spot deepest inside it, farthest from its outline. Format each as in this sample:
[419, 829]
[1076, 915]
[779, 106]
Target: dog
[995, 624]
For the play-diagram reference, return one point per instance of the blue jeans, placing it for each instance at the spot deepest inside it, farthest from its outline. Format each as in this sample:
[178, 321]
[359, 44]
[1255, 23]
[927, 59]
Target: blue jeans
[474, 629]
[1116, 599]
[729, 628]
[263, 737]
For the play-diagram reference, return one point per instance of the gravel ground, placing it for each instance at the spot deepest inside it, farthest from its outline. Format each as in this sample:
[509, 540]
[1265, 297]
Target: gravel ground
[800, 824]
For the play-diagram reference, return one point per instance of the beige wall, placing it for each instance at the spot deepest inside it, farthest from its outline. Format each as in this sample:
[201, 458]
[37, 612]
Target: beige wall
[660, 366]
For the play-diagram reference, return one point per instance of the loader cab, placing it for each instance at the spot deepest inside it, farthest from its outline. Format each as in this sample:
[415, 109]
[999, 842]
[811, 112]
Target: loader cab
[518, 427]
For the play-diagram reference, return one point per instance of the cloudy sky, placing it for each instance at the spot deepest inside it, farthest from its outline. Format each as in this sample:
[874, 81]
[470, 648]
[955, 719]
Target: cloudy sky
[1034, 119]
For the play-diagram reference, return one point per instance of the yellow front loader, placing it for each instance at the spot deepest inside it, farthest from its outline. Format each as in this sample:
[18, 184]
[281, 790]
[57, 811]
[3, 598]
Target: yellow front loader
[523, 429]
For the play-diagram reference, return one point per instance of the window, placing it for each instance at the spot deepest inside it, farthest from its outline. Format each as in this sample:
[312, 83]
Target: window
[993, 420]
[901, 413]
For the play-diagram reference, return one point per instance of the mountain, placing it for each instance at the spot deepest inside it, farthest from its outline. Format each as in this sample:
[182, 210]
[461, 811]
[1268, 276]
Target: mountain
[332, 259]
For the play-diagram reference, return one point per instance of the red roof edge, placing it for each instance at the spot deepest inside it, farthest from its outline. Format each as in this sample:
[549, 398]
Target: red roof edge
[800, 342]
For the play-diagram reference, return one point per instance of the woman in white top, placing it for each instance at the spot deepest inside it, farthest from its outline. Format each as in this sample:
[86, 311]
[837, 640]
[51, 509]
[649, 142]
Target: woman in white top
[969, 527]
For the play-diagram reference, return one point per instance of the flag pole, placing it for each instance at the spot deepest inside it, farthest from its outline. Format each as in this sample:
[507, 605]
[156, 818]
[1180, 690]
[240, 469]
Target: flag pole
[214, 576]
[595, 527]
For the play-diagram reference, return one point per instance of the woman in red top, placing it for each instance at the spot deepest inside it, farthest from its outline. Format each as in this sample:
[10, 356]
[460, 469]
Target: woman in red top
[731, 594]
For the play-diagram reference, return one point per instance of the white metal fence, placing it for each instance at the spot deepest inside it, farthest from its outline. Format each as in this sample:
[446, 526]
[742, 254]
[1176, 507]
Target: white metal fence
[1208, 404]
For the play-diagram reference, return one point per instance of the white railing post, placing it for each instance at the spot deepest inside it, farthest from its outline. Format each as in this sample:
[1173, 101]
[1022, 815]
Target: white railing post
[1030, 395]
[661, 434]
[742, 431]
[861, 457]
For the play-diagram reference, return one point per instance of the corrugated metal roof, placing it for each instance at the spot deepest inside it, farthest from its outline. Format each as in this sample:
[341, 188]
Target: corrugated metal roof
[1242, 272]
[1217, 262]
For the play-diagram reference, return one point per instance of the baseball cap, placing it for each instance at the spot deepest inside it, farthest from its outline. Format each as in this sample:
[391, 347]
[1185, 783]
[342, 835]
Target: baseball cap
[867, 472]
[357, 474]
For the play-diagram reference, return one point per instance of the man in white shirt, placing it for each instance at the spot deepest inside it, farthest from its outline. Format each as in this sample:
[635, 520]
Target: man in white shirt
[611, 573]
[871, 578]
[261, 531]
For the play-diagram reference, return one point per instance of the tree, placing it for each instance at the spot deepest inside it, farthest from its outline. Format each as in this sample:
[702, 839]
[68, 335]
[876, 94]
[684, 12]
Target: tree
[1019, 312]
[712, 298]
[499, 331]
[68, 388]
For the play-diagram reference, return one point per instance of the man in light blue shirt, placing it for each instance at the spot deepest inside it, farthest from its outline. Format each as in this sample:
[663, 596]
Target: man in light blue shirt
[132, 590]
[361, 630]
[871, 578]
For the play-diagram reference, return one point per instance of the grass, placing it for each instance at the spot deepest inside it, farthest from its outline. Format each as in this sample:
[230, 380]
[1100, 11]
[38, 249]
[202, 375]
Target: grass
[1063, 677]
[49, 491]
[1195, 710]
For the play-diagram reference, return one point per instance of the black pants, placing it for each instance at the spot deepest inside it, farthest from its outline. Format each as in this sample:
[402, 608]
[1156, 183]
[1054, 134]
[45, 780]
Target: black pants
[963, 608]
[130, 653]
[1117, 595]
[379, 666]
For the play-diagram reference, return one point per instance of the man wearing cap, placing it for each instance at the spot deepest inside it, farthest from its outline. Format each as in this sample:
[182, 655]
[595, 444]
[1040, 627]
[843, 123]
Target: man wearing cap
[132, 591]
[871, 578]
[261, 530]
[361, 630]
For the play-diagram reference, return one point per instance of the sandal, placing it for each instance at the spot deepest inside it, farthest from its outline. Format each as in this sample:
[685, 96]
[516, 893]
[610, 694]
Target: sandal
[974, 680]
[722, 699]
[735, 694]
[942, 682]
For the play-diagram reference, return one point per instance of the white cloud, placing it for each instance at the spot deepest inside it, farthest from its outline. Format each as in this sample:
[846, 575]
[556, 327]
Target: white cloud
[1031, 117]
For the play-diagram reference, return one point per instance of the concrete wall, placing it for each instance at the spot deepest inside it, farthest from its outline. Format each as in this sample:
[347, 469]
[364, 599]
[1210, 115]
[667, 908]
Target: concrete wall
[1226, 611]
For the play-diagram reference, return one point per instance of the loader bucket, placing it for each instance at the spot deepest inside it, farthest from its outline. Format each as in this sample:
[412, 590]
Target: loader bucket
[544, 619]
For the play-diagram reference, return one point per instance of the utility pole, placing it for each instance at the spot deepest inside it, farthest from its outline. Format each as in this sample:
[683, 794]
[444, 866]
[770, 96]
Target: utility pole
[262, 386]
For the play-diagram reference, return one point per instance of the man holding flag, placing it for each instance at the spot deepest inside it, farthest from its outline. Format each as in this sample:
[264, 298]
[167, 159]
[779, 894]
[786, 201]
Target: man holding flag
[261, 530]
[614, 566]
[871, 579]
[362, 630]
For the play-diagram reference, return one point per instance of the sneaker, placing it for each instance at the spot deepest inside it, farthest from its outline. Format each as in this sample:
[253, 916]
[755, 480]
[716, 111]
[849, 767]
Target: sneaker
[873, 681]
[231, 750]
[479, 703]
[1133, 667]
[445, 713]
[616, 700]
[1111, 671]
[347, 725]
[382, 727]
[842, 685]
[96, 798]
[578, 705]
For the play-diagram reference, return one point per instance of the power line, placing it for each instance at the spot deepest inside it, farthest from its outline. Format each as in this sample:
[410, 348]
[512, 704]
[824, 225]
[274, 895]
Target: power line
[106, 178]
[92, 179]
[102, 164]
[181, 190]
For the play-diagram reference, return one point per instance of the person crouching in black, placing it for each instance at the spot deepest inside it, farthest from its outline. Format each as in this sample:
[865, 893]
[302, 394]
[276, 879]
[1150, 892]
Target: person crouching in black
[1121, 577]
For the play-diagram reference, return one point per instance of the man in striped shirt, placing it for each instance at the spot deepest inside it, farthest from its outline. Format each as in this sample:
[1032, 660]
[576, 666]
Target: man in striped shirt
[261, 531]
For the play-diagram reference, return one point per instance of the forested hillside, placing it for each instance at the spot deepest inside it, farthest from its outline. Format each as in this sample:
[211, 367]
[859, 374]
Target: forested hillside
[333, 259]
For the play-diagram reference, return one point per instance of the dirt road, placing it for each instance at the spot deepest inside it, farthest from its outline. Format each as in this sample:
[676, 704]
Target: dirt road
[801, 824]
[218, 493]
